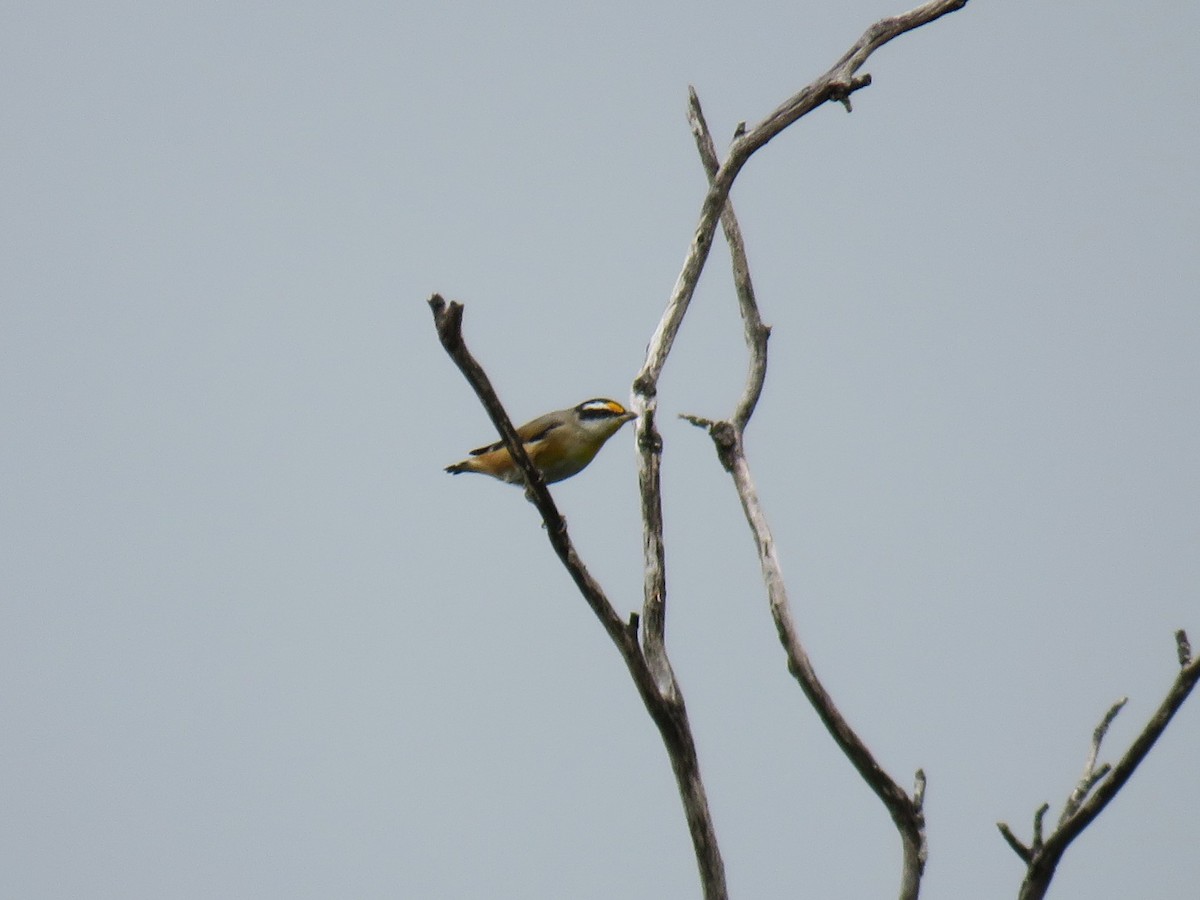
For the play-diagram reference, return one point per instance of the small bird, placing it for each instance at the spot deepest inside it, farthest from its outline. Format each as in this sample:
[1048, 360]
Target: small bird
[560, 444]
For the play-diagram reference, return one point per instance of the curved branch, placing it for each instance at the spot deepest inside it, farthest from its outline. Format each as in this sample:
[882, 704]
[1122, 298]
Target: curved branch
[1097, 787]
[755, 332]
[906, 812]
[667, 711]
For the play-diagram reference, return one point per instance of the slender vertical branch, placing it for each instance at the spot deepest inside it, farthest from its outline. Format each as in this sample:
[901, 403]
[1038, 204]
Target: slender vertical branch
[755, 332]
[906, 812]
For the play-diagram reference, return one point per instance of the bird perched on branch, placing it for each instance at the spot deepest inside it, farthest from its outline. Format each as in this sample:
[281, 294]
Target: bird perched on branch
[560, 444]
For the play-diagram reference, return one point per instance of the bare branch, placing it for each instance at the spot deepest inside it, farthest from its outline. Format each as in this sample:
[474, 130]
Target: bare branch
[918, 796]
[841, 81]
[1183, 648]
[756, 333]
[916, 852]
[668, 712]
[907, 813]
[448, 321]
[654, 572]
[1098, 786]
[1038, 818]
[1018, 848]
[1091, 775]
[835, 85]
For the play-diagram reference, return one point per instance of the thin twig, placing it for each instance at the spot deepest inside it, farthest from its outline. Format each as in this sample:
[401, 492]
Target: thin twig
[1038, 818]
[1091, 775]
[1018, 848]
[1183, 648]
[755, 332]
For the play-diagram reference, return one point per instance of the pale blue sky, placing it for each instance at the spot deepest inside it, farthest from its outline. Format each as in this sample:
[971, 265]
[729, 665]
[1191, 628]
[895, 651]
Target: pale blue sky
[254, 643]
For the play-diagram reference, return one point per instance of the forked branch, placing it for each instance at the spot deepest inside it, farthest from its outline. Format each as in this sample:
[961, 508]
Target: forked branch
[836, 85]
[1098, 785]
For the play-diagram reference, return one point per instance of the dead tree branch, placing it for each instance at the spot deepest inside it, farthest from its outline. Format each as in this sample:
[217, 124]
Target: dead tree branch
[837, 84]
[1098, 786]
[906, 812]
[667, 711]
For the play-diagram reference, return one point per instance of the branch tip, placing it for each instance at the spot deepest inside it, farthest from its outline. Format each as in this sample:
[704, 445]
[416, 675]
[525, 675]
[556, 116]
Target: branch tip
[918, 797]
[1037, 826]
[1013, 841]
[1102, 728]
[1183, 648]
[447, 319]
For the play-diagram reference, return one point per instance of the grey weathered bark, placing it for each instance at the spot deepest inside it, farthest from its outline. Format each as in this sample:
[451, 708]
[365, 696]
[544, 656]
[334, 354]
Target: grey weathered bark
[906, 812]
[1097, 786]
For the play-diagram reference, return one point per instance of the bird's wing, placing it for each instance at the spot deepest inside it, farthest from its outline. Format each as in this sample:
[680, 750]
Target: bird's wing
[529, 433]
